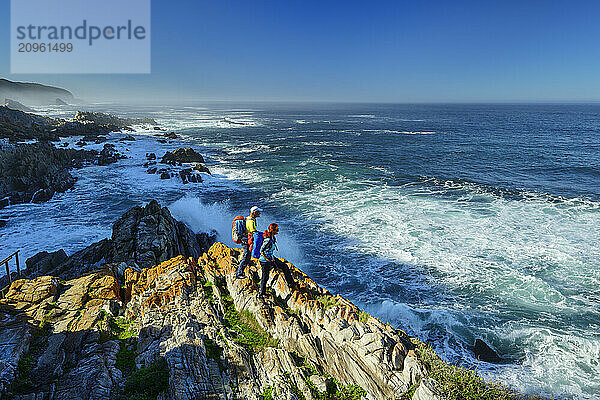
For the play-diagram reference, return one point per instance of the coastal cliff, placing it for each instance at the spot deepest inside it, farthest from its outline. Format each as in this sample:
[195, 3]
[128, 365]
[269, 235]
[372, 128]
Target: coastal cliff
[34, 93]
[187, 329]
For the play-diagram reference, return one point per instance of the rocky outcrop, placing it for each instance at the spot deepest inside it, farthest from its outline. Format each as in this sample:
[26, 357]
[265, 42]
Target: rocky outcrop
[217, 338]
[182, 155]
[201, 168]
[43, 262]
[484, 352]
[177, 158]
[35, 172]
[109, 155]
[187, 329]
[51, 336]
[315, 325]
[143, 236]
[171, 135]
[18, 125]
[109, 119]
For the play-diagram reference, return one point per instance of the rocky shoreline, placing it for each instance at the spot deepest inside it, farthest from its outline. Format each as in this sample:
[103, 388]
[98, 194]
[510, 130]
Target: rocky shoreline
[34, 172]
[155, 312]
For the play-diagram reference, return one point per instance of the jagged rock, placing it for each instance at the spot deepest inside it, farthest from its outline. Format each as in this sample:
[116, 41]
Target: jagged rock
[320, 382]
[484, 352]
[150, 235]
[85, 260]
[182, 155]
[201, 168]
[186, 176]
[319, 333]
[43, 195]
[428, 389]
[308, 329]
[15, 336]
[165, 175]
[109, 119]
[63, 326]
[151, 170]
[150, 156]
[145, 236]
[34, 172]
[109, 155]
[171, 135]
[43, 262]
[18, 125]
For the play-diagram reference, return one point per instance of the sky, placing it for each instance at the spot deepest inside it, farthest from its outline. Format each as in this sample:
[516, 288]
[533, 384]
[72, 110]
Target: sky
[350, 51]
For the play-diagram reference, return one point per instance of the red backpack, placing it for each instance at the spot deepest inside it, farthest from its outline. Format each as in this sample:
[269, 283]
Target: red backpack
[238, 229]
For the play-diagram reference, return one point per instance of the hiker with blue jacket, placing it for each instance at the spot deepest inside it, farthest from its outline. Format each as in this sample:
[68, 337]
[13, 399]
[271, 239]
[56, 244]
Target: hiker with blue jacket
[268, 260]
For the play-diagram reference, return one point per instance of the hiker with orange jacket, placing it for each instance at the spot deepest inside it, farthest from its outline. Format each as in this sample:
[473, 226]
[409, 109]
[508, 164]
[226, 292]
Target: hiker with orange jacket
[267, 259]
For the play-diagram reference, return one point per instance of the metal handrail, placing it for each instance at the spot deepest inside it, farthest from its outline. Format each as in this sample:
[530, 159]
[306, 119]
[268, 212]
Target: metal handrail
[5, 262]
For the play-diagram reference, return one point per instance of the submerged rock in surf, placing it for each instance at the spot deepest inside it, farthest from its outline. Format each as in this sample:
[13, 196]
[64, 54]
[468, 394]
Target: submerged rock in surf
[484, 352]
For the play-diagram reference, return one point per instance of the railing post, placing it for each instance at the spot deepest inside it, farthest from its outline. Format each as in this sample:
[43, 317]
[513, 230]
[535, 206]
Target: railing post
[8, 272]
[18, 267]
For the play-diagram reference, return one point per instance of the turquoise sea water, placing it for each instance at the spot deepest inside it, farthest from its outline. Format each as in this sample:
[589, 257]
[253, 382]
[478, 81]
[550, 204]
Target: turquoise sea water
[453, 222]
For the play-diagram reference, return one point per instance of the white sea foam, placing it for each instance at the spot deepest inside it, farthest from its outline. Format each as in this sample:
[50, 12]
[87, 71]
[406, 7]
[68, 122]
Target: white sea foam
[218, 216]
[514, 271]
[388, 131]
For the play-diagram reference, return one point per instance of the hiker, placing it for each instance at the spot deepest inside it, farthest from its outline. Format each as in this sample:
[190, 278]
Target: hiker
[268, 260]
[250, 229]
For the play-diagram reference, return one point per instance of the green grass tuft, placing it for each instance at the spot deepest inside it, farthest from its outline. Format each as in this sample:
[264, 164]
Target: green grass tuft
[125, 359]
[122, 328]
[208, 291]
[327, 301]
[25, 381]
[363, 316]
[148, 382]
[250, 334]
[268, 393]
[213, 351]
[458, 383]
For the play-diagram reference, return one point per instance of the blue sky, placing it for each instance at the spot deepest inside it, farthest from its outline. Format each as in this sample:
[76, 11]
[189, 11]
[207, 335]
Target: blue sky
[387, 51]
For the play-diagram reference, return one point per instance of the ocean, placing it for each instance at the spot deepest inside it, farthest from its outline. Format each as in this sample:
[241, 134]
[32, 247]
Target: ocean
[451, 222]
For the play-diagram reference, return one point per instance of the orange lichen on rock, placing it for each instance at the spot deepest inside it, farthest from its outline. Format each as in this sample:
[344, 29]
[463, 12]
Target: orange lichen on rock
[164, 282]
[32, 291]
